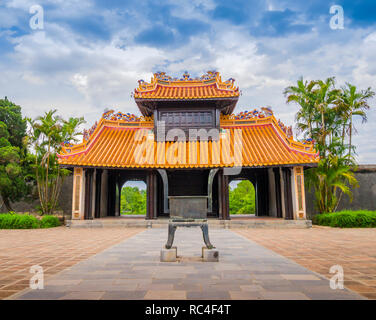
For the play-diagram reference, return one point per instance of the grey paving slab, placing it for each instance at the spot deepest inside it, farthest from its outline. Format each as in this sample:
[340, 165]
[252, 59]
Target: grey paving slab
[132, 270]
[124, 295]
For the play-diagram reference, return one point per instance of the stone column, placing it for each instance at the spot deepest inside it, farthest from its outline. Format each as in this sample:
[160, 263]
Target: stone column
[224, 196]
[88, 193]
[226, 211]
[118, 199]
[282, 193]
[155, 196]
[288, 196]
[104, 196]
[210, 189]
[78, 197]
[297, 191]
[164, 177]
[272, 194]
[151, 195]
[219, 195]
[93, 192]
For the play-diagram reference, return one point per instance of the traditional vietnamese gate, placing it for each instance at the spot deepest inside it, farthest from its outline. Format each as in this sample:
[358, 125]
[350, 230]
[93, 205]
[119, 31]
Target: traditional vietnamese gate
[188, 142]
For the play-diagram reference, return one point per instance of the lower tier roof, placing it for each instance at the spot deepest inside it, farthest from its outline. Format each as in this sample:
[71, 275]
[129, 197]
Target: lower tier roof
[254, 145]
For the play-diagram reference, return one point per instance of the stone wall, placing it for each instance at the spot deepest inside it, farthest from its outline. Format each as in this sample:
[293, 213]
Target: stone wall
[65, 200]
[364, 196]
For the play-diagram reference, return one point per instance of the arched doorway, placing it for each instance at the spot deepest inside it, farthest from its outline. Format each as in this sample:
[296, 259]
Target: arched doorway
[133, 198]
[242, 197]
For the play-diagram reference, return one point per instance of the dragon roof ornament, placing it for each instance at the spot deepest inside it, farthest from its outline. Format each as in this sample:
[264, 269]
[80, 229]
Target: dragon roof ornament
[211, 77]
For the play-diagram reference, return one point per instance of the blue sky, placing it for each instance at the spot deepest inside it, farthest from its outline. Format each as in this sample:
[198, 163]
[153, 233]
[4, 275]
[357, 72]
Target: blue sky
[90, 53]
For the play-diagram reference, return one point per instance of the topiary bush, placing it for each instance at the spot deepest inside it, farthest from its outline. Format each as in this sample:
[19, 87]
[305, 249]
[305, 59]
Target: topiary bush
[18, 221]
[49, 222]
[347, 219]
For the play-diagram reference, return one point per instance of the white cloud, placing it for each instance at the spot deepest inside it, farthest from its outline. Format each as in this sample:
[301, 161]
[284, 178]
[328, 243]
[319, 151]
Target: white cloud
[55, 68]
[32, 79]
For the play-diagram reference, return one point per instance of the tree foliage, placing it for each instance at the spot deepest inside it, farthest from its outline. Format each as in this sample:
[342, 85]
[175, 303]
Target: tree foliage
[326, 117]
[47, 134]
[10, 115]
[133, 201]
[242, 198]
[12, 153]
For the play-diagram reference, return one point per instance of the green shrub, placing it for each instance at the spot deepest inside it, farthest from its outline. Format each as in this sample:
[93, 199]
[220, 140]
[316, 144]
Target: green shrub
[18, 221]
[347, 219]
[321, 219]
[49, 222]
[14, 220]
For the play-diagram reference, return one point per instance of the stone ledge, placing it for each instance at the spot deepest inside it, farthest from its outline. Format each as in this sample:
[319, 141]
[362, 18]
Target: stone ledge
[213, 224]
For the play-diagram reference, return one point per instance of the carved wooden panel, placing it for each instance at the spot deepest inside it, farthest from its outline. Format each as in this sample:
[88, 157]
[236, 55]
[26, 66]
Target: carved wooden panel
[77, 193]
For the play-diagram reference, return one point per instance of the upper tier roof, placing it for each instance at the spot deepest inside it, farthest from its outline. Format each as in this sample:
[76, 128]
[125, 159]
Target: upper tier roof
[209, 86]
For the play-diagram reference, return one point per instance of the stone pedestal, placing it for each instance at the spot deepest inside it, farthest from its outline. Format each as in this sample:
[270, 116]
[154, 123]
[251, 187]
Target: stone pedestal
[169, 255]
[210, 255]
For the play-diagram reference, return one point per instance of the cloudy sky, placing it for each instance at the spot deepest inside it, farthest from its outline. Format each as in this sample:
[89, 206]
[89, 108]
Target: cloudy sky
[90, 53]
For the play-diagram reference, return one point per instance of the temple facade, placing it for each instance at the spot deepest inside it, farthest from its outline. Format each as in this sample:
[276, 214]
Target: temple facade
[188, 141]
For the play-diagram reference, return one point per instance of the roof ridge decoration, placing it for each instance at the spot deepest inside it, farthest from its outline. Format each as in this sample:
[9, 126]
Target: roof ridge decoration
[262, 117]
[265, 112]
[245, 115]
[112, 116]
[177, 87]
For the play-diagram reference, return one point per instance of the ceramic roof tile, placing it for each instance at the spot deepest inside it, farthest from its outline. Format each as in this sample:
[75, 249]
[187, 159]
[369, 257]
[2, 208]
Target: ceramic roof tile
[124, 145]
[207, 86]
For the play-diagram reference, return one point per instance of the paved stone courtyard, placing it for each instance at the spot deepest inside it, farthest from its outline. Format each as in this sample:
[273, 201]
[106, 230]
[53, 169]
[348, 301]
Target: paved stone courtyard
[131, 270]
[319, 248]
[55, 249]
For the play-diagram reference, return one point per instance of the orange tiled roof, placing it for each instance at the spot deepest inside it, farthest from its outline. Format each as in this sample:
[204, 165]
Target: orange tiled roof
[263, 143]
[208, 86]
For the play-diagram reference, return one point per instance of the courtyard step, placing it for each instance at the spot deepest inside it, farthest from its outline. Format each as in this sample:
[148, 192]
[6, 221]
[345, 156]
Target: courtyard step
[213, 223]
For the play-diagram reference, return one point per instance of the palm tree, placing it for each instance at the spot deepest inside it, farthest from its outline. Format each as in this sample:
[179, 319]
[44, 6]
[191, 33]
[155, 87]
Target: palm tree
[354, 103]
[326, 115]
[70, 127]
[331, 175]
[47, 133]
[303, 95]
[325, 97]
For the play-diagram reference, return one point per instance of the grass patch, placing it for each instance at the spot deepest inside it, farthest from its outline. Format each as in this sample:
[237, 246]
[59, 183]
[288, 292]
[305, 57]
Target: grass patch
[26, 221]
[347, 219]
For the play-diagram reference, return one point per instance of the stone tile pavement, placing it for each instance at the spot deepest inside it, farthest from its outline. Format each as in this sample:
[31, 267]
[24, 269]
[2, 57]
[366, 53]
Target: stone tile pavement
[54, 249]
[319, 248]
[132, 270]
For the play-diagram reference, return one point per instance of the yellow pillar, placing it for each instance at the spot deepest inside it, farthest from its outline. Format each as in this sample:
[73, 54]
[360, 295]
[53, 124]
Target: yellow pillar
[298, 193]
[78, 194]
